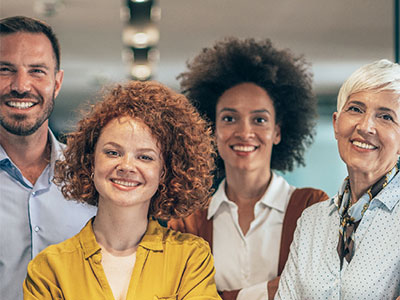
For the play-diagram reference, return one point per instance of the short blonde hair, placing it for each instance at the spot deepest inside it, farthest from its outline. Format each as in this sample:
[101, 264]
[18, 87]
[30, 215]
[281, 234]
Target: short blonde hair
[381, 75]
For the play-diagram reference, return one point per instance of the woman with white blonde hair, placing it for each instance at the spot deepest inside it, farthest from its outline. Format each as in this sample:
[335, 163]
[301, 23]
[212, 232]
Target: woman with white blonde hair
[348, 247]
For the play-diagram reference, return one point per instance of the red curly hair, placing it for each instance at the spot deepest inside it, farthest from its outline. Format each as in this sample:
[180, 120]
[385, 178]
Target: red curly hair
[184, 138]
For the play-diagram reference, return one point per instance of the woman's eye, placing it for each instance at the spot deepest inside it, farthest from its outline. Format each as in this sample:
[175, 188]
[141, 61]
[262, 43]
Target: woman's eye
[228, 119]
[387, 117]
[354, 108]
[260, 120]
[146, 157]
[111, 153]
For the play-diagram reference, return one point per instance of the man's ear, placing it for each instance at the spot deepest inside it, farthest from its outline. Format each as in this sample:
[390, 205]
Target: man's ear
[59, 79]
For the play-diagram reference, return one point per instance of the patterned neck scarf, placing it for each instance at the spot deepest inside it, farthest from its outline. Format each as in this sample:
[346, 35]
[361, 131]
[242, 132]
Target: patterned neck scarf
[351, 215]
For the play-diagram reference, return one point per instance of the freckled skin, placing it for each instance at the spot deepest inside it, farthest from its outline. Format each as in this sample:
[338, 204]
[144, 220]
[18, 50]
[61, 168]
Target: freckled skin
[128, 164]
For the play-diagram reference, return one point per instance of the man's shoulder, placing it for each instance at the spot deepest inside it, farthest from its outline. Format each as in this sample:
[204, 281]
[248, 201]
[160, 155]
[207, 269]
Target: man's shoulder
[57, 253]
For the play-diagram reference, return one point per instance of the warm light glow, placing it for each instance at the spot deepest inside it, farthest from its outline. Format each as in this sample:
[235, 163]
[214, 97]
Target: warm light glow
[141, 72]
[141, 36]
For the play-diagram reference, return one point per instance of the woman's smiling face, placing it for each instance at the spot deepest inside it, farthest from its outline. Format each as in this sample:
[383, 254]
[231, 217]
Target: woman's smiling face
[367, 131]
[128, 163]
[245, 127]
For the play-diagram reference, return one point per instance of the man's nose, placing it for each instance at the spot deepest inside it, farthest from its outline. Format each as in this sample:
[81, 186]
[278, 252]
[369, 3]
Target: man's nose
[21, 82]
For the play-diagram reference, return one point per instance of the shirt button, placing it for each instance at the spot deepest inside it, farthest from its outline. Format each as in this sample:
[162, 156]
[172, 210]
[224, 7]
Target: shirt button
[37, 228]
[33, 194]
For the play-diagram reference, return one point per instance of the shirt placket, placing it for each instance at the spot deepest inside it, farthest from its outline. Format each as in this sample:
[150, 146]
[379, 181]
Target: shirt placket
[36, 221]
[97, 268]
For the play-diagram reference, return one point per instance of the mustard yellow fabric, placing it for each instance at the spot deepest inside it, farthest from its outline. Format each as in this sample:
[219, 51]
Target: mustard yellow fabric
[169, 265]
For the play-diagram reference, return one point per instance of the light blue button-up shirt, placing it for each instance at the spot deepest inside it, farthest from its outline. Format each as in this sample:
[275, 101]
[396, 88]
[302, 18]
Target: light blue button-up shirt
[32, 218]
[313, 267]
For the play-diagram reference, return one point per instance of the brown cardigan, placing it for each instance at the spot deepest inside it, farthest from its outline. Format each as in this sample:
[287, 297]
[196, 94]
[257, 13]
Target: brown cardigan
[198, 224]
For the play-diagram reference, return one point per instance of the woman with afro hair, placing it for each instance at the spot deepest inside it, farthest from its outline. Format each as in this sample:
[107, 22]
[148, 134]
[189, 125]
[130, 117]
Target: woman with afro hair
[142, 154]
[260, 102]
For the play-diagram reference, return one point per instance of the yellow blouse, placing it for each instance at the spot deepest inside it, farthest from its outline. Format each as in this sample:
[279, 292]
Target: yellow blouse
[169, 265]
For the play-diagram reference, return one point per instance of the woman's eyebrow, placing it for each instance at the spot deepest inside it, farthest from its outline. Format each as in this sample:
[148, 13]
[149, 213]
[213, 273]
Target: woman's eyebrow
[257, 111]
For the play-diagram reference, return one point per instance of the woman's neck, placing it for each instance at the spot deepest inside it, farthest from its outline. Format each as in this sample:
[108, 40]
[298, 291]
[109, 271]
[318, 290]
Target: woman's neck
[244, 187]
[360, 183]
[119, 230]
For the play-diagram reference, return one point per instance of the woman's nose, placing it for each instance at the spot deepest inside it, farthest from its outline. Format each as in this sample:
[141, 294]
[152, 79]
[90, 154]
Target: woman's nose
[367, 124]
[244, 130]
[127, 164]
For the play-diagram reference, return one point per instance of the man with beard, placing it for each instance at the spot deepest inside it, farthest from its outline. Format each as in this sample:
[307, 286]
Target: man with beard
[33, 212]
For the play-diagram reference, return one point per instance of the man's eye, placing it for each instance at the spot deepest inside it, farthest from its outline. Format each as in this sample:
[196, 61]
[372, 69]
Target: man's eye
[5, 70]
[38, 71]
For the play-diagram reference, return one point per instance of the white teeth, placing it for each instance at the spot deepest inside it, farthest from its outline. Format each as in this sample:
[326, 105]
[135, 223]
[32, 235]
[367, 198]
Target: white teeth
[244, 148]
[125, 183]
[363, 145]
[20, 105]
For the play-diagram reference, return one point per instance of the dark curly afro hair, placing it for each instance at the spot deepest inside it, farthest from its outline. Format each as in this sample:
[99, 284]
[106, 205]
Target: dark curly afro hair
[284, 76]
[185, 140]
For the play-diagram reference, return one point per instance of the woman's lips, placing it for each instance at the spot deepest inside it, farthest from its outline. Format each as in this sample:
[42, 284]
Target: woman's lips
[364, 145]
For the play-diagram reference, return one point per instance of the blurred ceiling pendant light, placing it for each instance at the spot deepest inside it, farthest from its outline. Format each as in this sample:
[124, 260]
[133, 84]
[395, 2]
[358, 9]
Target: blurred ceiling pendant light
[140, 37]
[48, 8]
[141, 72]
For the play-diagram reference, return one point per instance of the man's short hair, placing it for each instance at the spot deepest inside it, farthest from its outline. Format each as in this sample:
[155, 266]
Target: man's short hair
[25, 24]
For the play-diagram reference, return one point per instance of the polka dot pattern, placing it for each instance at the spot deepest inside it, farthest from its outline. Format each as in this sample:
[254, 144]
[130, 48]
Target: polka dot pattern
[313, 268]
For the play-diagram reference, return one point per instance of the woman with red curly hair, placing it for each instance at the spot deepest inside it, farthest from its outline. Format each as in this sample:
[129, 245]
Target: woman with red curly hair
[141, 154]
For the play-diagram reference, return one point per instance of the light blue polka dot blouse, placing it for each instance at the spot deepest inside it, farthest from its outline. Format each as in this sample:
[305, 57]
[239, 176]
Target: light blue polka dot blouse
[313, 267]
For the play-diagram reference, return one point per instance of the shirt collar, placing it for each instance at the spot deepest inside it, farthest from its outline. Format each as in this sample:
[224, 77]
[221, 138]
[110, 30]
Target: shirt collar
[3, 154]
[389, 195]
[56, 152]
[277, 189]
[88, 240]
[152, 239]
[385, 196]
[57, 149]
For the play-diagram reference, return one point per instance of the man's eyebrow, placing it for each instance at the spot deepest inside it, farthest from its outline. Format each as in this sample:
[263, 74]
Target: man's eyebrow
[39, 65]
[42, 65]
[6, 63]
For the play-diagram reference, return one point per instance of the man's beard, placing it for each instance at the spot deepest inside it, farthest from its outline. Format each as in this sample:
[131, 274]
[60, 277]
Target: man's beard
[17, 125]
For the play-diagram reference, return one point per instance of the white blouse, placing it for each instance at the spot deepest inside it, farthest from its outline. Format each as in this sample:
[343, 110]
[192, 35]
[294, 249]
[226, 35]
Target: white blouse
[248, 261]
